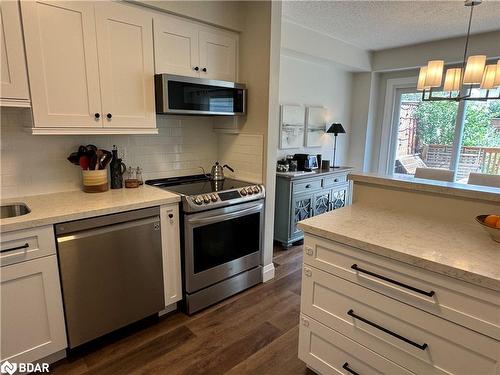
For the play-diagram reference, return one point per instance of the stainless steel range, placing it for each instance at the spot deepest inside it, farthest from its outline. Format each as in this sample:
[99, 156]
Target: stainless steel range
[222, 236]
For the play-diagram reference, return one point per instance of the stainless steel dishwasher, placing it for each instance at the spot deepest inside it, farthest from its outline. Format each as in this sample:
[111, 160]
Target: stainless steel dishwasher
[111, 272]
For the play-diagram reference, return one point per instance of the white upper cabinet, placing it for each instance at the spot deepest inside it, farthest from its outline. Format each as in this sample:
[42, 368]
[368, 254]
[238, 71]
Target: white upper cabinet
[14, 88]
[217, 56]
[90, 67]
[190, 49]
[176, 47]
[125, 49]
[62, 63]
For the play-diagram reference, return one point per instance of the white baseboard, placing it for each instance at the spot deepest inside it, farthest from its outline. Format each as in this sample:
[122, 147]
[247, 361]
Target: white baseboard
[268, 272]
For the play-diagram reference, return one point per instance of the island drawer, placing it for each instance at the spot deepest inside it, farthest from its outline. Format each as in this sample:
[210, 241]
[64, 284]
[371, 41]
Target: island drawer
[306, 186]
[329, 352]
[466, 304]
[22, 245]
[333, 180]
[410, 337]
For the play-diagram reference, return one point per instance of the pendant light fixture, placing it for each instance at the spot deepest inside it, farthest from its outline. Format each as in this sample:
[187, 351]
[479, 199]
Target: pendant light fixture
[474, 73]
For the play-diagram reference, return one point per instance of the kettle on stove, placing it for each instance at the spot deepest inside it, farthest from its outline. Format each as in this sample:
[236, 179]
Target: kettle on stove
[217, 173]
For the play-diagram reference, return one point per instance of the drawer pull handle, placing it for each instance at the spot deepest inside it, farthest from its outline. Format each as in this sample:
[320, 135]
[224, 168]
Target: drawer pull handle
[308, 186]
[421, 347]
[345, 366]
[428, 294]
[25, 246]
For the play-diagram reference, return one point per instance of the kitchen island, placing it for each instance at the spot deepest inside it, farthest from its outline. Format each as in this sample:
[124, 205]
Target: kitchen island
[402, 281]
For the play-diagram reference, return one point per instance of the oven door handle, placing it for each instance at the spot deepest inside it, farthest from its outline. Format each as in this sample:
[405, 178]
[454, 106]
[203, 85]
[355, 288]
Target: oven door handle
[227, 216]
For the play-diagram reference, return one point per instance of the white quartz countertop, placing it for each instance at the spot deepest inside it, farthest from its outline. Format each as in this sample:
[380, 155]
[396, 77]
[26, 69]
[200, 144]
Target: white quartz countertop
[408, 182]
[460, 249]
[73, 205]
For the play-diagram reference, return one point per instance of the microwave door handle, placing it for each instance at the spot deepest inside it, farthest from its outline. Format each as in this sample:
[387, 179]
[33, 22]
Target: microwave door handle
[230, 215]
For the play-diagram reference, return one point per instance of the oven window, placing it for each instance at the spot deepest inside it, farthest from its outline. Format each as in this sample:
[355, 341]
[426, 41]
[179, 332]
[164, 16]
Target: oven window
[222, 242]
[196, 97]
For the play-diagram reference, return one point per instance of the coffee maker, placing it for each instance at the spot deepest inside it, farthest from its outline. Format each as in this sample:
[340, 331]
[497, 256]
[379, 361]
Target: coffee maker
[306, 162]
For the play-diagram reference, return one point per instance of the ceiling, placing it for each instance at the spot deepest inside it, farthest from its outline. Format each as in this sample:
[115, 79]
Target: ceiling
[376, 25]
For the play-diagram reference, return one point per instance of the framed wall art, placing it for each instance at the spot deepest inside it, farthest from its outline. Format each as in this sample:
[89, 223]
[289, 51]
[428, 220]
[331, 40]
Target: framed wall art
[315, 126]
[292, 126]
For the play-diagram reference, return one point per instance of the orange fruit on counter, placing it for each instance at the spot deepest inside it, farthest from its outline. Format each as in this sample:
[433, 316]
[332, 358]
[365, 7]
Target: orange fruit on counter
[492, 220]
[498, 224]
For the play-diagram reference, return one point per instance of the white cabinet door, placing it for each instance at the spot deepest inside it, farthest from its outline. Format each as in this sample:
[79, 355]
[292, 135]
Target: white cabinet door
[32, 319]
[62, 61]
[13, 63]
[170, 238]
[176, 46]
[125, 47]
[217, 56]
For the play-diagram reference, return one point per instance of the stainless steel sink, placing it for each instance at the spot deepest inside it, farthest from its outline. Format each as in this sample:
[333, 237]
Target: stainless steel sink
[13, 210]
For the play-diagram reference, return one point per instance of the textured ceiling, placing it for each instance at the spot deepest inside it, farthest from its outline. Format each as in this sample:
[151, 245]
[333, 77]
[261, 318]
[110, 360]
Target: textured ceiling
[376, 25]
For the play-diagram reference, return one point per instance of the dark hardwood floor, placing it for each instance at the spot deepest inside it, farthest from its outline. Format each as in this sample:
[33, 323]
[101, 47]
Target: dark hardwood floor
[254, 332]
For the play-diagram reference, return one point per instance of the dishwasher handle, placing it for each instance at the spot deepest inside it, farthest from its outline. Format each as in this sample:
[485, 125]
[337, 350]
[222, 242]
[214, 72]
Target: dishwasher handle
[155, 221]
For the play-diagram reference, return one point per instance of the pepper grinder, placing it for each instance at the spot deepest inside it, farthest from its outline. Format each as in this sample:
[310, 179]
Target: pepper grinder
[117, 169]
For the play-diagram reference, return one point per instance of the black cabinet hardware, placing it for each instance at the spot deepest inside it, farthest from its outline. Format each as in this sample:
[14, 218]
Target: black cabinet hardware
[97, 115]
[428, 294]
[109, 115]
[308, 186]
[170, 216]
[196, 68]
[388, 331]
[25, 246]
[345, 366]
[204, 69]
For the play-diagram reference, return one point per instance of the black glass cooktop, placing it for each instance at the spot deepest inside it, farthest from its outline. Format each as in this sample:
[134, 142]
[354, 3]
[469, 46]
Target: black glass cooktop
[195, 185]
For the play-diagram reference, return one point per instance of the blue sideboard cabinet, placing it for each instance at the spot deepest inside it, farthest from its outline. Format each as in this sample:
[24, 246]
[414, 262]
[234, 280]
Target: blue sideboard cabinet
[303, 195]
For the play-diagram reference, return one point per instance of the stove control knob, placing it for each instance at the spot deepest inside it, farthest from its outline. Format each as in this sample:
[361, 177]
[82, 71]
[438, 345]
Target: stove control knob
[256, 189]
[198, 200]
[206, 199]
[213, 197]
[249, 190]
[243, 192]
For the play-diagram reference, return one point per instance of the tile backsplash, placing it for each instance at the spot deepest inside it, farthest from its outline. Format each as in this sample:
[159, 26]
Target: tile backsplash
[37, 164]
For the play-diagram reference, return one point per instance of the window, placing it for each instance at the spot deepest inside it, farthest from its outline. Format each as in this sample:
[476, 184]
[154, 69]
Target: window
[428, 133]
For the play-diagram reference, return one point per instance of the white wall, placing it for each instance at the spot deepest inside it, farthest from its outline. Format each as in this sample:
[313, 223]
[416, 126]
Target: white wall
[301, 39]
[37, 164]
[308, 81]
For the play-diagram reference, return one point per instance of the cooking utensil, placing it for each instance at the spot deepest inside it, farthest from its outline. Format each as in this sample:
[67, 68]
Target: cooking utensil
[73, 158]
[105, 159]
[84, 162]
[92, 161]
[493, 232]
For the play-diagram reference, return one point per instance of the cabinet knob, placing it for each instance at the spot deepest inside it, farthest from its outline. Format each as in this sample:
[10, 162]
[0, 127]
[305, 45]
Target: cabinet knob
[308, 186]
[109, 115]
[307, 272]
[196, 68]
[309, 251]
[305, 322]
[97, 115]
[170, 216]
[204, 69]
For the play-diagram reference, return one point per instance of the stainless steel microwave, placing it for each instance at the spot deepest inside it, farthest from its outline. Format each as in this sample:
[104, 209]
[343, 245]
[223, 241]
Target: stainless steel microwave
[197, 96]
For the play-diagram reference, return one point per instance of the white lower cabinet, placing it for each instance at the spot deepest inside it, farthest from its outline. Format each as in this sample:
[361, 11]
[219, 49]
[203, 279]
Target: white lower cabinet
[32, 319]
[329, 352]
[170, 238]
[339, 314]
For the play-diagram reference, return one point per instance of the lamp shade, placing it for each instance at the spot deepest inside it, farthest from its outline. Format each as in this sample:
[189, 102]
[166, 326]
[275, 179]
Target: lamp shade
[336, 128]
[474, 69]
[421, 79]
[452, 79]
[434, 73]
[497, 74]
[488, 81]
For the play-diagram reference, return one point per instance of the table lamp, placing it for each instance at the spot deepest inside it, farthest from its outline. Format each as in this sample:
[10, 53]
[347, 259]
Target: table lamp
[335, 129]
